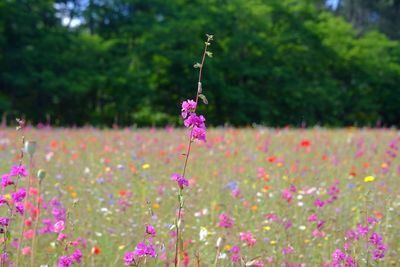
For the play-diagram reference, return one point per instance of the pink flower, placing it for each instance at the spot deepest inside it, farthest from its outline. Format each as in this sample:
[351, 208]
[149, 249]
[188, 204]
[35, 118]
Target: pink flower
[18, 170]
[77, 255]
[287, 195]
[61, 237]
[26, 251]
[150, 230]
[362, 230]
[6, 181]
[59, 226]
[182, 182]
[194, 120]
[19, 207]
[199, 134]
[225, 221]
[287, 250]
[248, 237]
[235, 250]
[235, 258]
[29, 234]
[19, 195]
[319, 203]
[312, 218]
[4, 221]
[188, 106]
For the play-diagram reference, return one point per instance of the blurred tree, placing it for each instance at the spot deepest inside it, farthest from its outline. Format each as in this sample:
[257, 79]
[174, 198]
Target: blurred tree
[372, 14]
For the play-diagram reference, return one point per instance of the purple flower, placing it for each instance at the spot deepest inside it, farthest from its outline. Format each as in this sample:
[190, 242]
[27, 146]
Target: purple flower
[319, 203]
[188, 106]
[337, 257]
[199, 134]
[151, 251]
[59, 213]
[372, 220]
[55, 202]
[380, 248]
[361, 230]
[378, 254]
[140, 249]
[77, 255]
[17, 170]
[19, 195]
[235, 258]
[287, 223]
[351, 235]
[350, 262]
[3, 200]
[4, 257]
[333, 190]
[287, 250]
[129, 258]
[182, 182]
[287, 195]
[225, 221]
[320, 224]
[150, 230]
[6, 181]
[4, 221]
[235, 250]
[65, 261]
[293, 188]
[194, 120]
[375, 239]
[19, 207]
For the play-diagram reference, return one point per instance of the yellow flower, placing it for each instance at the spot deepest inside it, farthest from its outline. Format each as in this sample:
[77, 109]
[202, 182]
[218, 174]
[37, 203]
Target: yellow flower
[369, 179]
[227, 247]
[273, 242]
[121, 247]
[146, 166]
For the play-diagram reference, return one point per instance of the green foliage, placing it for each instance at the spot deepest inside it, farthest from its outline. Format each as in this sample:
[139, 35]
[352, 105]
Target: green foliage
[130, 62]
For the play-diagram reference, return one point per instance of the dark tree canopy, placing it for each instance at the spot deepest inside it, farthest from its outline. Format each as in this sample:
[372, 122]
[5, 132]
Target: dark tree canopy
[276, 62]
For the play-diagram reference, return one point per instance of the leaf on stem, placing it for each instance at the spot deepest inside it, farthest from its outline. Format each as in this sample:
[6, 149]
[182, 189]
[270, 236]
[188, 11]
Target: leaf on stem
[204, 98]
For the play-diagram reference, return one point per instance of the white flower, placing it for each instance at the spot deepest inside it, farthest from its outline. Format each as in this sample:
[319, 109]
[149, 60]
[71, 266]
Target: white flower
[203, 233]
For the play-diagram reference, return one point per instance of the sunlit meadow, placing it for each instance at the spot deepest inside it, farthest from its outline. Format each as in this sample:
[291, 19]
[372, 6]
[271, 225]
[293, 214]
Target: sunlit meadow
[256, 196]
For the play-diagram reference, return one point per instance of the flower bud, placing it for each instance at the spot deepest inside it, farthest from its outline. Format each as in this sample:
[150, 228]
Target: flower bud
[41, 174]
[219, 242]
[30, 147]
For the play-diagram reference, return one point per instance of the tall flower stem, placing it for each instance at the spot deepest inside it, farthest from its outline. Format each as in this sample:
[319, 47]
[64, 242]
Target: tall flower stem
[11, 208]
[22, 225]
[180, 192]
[35, 226]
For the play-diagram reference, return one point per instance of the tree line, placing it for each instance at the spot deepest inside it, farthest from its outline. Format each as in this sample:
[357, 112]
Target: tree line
[125, 62]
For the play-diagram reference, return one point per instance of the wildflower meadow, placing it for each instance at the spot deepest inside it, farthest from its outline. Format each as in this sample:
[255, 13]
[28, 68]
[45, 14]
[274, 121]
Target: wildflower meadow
[261, 197]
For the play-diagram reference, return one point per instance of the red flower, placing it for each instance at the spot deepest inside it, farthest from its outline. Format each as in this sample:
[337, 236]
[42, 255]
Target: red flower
[96, 250]
[305, 143]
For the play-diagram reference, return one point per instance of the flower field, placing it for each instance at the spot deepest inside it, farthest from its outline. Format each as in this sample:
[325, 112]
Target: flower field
[255, 197]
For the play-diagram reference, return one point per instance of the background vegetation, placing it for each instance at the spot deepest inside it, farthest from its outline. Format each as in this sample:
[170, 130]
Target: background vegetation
[277, 62]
